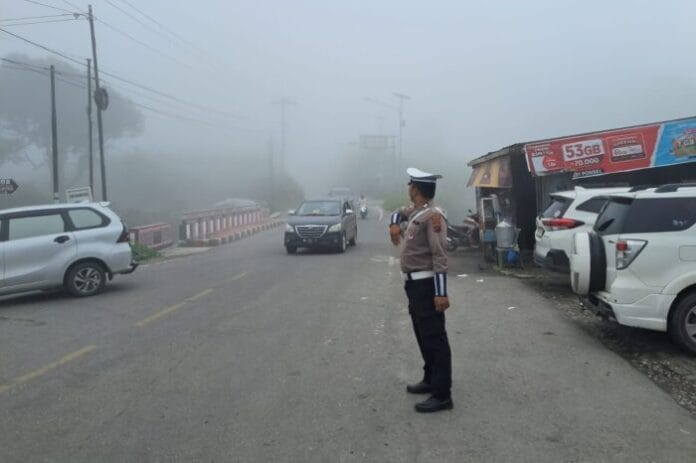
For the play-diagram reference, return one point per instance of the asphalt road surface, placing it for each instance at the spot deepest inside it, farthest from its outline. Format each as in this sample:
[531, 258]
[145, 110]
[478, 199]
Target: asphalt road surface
[246, 354]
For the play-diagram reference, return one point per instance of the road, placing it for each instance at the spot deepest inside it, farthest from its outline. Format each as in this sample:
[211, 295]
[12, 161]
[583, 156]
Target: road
[246, 354]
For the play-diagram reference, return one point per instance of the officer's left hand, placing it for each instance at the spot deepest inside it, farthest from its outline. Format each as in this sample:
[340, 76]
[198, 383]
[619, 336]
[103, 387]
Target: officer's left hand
[441, 303]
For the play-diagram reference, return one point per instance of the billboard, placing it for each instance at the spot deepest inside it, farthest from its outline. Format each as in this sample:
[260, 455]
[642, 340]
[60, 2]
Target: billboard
[620, 150]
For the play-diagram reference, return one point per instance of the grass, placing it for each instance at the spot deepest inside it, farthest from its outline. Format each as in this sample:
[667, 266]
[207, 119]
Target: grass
[143, 253]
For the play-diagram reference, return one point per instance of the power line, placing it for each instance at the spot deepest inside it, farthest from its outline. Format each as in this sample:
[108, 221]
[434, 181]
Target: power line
[160, 25]
[48, 6]
[20, 66]
[72, 5]
[27, 18]
[130, 82]
[141, 43]
[43, 47]
[202, 53]
[41, 22]
[136, 19]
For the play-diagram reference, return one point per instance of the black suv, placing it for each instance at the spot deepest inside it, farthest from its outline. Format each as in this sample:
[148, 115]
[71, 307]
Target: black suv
[328, 223]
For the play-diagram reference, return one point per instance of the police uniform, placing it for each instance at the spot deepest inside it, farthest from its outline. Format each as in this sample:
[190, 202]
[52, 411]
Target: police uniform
[424, 269]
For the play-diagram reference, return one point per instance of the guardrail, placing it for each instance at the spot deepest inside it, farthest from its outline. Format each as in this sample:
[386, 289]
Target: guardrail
[155, 236]
[213, 227]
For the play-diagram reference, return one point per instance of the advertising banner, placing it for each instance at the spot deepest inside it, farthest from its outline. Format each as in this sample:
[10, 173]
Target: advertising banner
[613, 151]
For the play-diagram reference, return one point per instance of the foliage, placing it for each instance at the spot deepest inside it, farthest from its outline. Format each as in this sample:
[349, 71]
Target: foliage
[25, 113]
[142, 253]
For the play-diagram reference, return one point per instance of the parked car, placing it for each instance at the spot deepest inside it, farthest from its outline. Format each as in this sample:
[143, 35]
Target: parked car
[638, 265]
[568, 213]
[73, 246]
[316, 223]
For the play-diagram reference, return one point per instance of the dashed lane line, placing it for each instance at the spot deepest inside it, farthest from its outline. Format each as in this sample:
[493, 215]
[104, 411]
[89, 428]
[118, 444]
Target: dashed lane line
[173, 308]
[46, 368]
[239, 277]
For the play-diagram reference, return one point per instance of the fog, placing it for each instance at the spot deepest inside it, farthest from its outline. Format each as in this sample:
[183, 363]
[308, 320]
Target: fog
[480, 76]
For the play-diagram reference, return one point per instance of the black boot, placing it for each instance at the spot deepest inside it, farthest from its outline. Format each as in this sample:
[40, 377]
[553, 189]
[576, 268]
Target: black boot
[419, 388]
[433, 404]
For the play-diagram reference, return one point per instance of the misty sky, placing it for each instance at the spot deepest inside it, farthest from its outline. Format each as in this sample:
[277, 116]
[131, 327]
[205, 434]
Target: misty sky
[481, 75]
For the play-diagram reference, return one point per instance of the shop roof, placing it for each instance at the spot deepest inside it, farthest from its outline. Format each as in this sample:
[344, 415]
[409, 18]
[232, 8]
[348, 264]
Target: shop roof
[512, 149]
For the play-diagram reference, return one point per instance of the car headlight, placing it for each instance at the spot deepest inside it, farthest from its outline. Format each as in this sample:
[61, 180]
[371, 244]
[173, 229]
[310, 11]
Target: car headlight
[335, 228]
[289, 228]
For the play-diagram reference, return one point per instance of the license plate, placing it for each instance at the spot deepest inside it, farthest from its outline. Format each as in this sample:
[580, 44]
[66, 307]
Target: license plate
[540, 232]
[308, 241]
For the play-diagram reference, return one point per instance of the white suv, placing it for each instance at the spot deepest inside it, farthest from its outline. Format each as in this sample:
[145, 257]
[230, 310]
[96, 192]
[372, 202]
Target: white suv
[569, 212]
[73, 246]
[639, 264]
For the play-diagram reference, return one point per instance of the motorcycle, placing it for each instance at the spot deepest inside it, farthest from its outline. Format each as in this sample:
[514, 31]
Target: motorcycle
[363, 211]
[471, 225]
[456, 236]
[466, 234]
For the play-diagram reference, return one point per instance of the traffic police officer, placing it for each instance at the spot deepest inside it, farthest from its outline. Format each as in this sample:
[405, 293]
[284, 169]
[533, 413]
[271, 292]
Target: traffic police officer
[424, 268]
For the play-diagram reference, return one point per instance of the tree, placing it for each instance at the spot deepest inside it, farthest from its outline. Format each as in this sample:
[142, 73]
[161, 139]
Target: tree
[25, 114]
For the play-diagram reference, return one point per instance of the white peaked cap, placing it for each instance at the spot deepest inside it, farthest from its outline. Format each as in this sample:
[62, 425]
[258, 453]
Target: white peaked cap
[418, 175]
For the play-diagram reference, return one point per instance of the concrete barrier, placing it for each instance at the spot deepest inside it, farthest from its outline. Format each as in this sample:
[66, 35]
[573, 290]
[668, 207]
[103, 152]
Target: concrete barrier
[212, 227]
[155, 236]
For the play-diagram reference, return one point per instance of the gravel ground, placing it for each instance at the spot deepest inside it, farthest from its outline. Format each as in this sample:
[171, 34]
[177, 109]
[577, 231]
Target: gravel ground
[651, 352]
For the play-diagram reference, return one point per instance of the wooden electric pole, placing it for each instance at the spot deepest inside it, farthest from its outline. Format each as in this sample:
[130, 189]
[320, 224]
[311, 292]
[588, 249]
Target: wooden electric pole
[99, 99]
[54, 135]
[89, 124]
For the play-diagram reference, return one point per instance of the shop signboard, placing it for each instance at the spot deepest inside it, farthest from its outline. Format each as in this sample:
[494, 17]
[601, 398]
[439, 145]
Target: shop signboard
[613, 151]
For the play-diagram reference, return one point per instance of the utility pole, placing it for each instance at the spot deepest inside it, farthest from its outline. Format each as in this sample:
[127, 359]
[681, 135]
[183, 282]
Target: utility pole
[402, 123]
[99, 99]
[89, 124]
[54, 135]
[271, 174]
[283, 103]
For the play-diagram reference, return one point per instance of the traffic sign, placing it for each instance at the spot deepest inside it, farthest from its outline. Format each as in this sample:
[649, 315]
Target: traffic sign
[8, 186]
[79, 195]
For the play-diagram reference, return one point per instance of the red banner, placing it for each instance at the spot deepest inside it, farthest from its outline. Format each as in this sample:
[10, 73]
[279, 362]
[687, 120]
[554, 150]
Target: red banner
[594, 154]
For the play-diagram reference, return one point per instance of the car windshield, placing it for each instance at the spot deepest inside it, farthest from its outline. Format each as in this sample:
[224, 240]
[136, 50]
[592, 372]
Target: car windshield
[319, 208]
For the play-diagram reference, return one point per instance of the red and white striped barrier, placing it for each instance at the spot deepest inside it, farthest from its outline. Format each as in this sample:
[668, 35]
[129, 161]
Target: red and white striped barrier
[155, 236]
[212, 227]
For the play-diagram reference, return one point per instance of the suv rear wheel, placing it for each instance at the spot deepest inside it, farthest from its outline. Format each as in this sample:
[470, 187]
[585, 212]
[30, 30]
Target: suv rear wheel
[682, 324]
[85, 279]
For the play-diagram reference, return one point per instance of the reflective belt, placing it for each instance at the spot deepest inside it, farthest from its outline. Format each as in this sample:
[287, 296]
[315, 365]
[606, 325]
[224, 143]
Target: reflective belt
[410, 276]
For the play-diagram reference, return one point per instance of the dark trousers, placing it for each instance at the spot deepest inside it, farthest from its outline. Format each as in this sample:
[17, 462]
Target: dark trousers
[429, 327]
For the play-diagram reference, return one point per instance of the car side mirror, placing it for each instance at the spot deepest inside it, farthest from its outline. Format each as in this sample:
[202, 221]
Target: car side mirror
[291, 212]
[350, 211]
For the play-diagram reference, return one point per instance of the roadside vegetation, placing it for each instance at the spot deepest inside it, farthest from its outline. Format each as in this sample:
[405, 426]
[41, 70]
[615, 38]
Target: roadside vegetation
[142, 253]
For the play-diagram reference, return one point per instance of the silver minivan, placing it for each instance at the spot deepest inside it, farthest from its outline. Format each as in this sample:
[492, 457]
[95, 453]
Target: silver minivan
[71, 246]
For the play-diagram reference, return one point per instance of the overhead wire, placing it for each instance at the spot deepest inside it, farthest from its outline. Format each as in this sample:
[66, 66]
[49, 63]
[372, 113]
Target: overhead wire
[134, 83]
[160, 25]
[27, 18]
[49, 6]
[141, 43]
[202, 54]
[40, 22]
[61, 76]
[72, 5]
